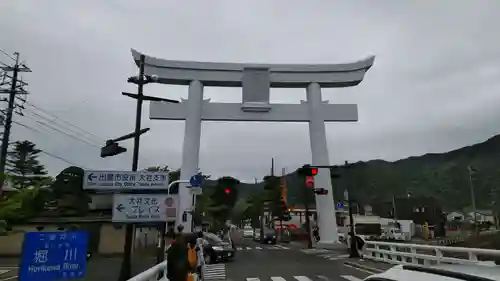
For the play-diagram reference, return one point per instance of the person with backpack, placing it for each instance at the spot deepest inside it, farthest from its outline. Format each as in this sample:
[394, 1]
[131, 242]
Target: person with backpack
[177, 257]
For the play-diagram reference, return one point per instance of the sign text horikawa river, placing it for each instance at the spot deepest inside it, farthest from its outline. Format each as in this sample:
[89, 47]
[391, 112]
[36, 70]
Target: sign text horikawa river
[124, 180]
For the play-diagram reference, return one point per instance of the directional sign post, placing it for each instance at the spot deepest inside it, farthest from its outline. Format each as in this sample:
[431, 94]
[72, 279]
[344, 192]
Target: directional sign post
[195, 184]
[130, 208]
[340, 205]
[119, 180]
[52, 256]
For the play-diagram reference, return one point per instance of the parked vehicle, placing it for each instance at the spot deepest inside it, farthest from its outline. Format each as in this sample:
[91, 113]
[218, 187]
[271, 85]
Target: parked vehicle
[393, 233]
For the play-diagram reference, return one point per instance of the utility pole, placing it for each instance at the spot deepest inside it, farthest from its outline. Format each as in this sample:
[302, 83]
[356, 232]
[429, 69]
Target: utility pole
[473, 196]
[307, 194]
[272, 167]
[394, 210]
[15, 89]
[140, 81]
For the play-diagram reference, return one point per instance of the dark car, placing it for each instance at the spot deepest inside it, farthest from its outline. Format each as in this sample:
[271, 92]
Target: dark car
[217, 249]
[270, 235]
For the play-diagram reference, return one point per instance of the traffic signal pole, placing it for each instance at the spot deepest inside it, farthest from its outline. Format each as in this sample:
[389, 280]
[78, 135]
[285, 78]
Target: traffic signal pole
[354, 251]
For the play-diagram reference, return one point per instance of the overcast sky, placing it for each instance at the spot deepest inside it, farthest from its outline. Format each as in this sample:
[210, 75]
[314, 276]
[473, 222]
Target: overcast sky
[435, 84]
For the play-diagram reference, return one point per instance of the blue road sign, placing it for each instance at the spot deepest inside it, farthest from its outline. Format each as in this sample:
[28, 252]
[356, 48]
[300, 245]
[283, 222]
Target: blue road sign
[195, 180]
[340, 205]
[53, 256]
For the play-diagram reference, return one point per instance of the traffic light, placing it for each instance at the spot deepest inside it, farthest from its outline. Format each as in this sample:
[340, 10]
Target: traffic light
[227, 190]
[111, 149]
[308, 171]
[320, 191]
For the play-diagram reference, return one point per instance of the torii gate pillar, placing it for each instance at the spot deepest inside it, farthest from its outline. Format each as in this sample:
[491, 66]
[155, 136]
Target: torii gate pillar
[256, 81]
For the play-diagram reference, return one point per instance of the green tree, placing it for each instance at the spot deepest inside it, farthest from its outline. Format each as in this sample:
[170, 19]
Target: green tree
[23, 165]
[68, 192]
[22, 206]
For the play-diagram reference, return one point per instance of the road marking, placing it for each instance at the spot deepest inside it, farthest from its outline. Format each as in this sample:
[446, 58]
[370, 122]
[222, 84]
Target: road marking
[253, 279]
[258, 248]
[278, 278]
[213, 272]
[302, 278]
[3, 271]
[248, 248]
[315, 251]
[360, 269]
[322, 277]
[282, 247]
[350, 278]
[9, 278]
[239, 248]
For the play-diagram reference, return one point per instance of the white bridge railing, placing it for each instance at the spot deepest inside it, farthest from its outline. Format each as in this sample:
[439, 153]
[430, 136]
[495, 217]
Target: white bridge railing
[401, 253]
[157, 272]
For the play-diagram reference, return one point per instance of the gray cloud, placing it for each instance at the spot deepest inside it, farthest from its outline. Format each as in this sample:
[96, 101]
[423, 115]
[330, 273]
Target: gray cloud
[434, 85]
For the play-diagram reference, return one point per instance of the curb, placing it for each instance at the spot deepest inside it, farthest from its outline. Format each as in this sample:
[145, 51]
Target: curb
[364, 267]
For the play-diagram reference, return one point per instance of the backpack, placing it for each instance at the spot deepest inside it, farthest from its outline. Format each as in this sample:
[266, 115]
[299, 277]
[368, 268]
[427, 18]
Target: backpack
[192, 257]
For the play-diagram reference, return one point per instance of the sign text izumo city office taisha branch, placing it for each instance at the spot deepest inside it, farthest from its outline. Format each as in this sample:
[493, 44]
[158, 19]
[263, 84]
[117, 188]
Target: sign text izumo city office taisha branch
[53, 256]
[124, 180]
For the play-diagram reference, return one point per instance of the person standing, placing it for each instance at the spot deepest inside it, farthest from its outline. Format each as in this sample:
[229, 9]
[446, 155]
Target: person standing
[360, 245]
[201, 243]
[177, 257]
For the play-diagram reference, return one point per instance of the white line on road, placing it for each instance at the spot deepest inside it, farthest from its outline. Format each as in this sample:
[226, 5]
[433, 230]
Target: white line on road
[350, 278]
[3, 271]
[360, 269]
[253, 279]
[258, 248]
[9, 278]
[278, 278]
[248, 248]
[302, 278]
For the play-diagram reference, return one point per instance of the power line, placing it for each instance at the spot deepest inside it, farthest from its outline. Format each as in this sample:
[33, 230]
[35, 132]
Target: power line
[45, 152]
[62, 159]
[7, 54]
[96, 140]
[64, 121]
[52, 121]
[54, 128]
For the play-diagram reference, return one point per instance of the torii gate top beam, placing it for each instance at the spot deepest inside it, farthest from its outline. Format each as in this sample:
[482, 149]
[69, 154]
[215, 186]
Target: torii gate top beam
[280, 75]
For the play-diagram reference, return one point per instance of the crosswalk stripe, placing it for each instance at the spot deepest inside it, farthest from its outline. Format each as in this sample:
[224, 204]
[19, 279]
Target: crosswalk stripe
[302, 278]
[214, 272]
[350, 278]
[278, 278]
[248, 248]
[3, 271]
[253, 279]
[258, 248]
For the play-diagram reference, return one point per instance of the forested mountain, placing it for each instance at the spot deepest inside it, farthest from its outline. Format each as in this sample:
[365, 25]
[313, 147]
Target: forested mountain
[444, 176]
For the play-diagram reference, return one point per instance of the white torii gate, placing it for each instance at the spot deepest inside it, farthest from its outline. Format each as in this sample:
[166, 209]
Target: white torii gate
[256, 80]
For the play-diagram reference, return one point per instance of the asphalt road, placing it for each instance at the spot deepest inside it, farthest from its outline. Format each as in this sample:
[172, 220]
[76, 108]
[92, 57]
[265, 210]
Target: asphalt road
[290, 262]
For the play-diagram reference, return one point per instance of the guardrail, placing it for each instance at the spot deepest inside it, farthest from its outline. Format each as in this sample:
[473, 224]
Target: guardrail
[155, 273]
[401, 253]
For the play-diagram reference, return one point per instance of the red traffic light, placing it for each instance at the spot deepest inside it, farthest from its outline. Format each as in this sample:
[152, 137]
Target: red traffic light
[307, 170]
[227, 190]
